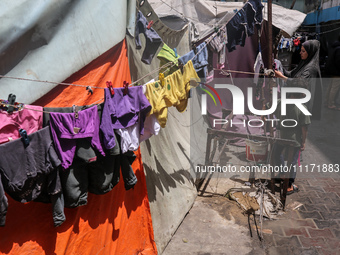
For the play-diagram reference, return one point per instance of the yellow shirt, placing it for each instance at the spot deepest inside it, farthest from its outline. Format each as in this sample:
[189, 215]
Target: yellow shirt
[189, 73]
[174, 92]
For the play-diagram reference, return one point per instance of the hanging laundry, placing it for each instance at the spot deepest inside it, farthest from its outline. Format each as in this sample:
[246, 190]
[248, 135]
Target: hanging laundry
[199, 61]
[257, 66]
[258, 77]
[67, 127]
[253, 9]
[189, 74]
[90, 170]
[278, 66]
[151, 127]
[74, 179]
[20, 118]
[3, 205]
[151, 124]
[129, 137]
[122, 111]
[125, 162]
[104, 174]
[165, 56]
[153, 40]
[217, 43]
[243, 22]
[174, 93]
[161, 97]
[31, 173]
[237, 30]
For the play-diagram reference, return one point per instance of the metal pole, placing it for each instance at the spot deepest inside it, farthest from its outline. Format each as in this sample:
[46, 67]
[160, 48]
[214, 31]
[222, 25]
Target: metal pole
[292, 6]
[270, 34]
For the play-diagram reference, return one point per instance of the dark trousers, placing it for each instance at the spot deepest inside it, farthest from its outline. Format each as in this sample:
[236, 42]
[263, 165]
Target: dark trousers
[280, 159]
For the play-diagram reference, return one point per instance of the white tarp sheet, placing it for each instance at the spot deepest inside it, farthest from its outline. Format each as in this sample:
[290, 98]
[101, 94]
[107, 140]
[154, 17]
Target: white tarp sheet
[205, 15]
[50, 40]
[166, 157]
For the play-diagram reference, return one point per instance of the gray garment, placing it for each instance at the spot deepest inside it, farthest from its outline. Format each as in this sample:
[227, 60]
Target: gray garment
[218, 44]
[153, 40]
[31, 173]
[279, 67]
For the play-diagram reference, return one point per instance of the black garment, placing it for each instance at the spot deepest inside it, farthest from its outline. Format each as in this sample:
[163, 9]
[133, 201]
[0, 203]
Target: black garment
[253, 11]
[237, 30]
[243, 23]
[32, 172]
[333, 62]
[3, 205]
[280, 161]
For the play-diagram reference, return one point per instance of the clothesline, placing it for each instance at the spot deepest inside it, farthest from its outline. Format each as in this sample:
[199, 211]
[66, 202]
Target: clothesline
[81, 85]
[167, 65]
[198, 21]
[242, 72]
[27, 108]
[52, 82]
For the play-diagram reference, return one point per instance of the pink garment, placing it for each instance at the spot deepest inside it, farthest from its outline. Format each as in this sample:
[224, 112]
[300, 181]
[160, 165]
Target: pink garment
[26, 119]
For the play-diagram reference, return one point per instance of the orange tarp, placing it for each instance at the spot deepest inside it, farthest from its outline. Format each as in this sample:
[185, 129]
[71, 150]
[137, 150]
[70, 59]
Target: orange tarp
[118, 222]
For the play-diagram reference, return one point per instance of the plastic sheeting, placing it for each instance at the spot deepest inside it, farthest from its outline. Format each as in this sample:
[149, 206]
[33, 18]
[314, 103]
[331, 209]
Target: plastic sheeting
[166, 157]
[118, 222]
[205, 15]
[50, 40]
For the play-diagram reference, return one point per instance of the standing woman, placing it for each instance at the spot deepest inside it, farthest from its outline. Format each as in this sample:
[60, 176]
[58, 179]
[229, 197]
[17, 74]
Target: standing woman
[308, 69]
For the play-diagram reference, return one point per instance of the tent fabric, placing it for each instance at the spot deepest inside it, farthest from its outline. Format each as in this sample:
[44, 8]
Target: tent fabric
[205, 15]
[279, 19]
[166, 157]
[50, 40]
[118, 222]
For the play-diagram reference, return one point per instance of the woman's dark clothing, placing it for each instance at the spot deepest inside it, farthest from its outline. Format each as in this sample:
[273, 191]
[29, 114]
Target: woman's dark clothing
[309, 70]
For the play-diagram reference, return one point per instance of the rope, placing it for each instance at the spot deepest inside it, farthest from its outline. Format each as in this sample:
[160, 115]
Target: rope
[242, 72]
[196, 20]
[170, 64]
[51, 82]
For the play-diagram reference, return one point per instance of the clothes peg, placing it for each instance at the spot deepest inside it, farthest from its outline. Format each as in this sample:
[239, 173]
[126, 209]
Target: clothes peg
[25, 139]
[217, 30]
[109, 85]
[11, 101]
[180, 66]
[150, 24]
[175, 50]
[75, 110]
[126, 87]
[161, 78]
[90, 90]
[194, 48]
